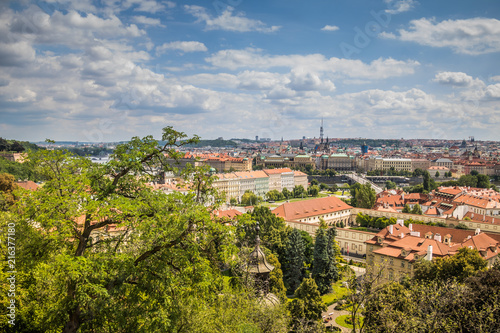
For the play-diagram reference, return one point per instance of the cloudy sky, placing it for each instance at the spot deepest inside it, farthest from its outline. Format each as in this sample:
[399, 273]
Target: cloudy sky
[107, 70]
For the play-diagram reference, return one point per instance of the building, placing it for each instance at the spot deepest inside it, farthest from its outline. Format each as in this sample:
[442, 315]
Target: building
[330, 209]
[341, 162]
[229, 184]
[300, 178]
[394, 250]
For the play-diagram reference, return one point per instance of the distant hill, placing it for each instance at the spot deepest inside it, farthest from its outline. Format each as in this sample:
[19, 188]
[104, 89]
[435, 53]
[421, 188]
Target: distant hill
[16, 146]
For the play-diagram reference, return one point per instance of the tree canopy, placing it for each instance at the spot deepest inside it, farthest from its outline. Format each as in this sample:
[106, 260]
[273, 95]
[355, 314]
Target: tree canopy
[102, 251]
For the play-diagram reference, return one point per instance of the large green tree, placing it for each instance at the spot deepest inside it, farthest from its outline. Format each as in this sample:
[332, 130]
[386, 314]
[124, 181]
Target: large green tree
[324, 270]
[365, 196]
[294, 261]
[98, 250]
[307, 307]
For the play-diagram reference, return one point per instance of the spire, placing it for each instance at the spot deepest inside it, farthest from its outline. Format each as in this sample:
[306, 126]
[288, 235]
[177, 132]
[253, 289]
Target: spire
[321, 130]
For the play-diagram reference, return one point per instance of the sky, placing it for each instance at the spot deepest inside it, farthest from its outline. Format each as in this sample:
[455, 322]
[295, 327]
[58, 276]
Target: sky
[108, 70]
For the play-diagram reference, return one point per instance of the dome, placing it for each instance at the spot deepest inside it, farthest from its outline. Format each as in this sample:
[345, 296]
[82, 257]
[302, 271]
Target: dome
[257, 261]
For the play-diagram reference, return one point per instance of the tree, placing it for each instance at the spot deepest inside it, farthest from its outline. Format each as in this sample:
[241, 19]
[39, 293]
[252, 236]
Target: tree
[308, 306]
[427, 181]
[417, 209]
[418, 172]
[249, 198]
[406, 208]
[483, 181]
[365, 196]
[313, 190]
[308, 242]
[286, 193]
[233, 201]
[7, 187]
[437, 174]
[325, 270]
[276, 285]
[390, 185]
[314, 181]
[102, 251]
[298, 191]
[468, 180]
[294, 261]
[354, 190]
[458, 267]
[323, 186]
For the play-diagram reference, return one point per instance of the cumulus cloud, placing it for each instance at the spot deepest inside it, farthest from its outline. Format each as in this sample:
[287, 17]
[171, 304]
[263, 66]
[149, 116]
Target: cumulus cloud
[255, 58]
[330, 28]
[184, 46]
[147, 21]
[399, 6]
[228, 20]
[470, 36]
[457, 79]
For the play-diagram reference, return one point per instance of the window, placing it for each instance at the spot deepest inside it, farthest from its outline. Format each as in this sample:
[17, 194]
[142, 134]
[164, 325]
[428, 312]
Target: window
[403, 264]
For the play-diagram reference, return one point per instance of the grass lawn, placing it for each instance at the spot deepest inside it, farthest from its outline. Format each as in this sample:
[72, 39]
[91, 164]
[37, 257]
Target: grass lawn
[341, 320]
[337, 293]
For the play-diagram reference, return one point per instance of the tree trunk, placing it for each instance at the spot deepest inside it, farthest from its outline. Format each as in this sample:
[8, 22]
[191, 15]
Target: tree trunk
[74, 321]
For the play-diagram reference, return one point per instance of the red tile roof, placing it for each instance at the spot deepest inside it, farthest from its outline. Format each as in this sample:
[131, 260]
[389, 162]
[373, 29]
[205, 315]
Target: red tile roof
[307, 208]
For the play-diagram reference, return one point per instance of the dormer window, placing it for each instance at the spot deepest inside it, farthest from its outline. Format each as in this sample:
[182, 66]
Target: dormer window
[379, 240]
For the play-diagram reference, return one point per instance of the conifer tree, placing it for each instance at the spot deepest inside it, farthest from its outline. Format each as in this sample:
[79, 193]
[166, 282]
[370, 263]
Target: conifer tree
[324, 268]
[294, 260]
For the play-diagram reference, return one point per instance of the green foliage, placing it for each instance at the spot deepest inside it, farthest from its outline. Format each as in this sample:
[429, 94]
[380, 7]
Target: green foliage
[354, 190]
[233, 201]
[462, 226]
[294, 261]
[365, 196]
[7, 187]
[103, 252]
[325, 270]
[429, 184]
[314, 181]
[365, 220]
[16, 146]
[20, 171]
[417, 209]
[250, 199]
[458, 267]
[276, 285]
[308, 242]
[286, 193]
[308, 306]
[313, 190]
[390, 185]
[298, 191]
[323, 186]
[406, 209]
[274, 195]
[470, 306]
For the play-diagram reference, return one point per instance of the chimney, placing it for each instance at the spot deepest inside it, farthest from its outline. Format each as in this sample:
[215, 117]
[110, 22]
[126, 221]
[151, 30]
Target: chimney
[477, 232]
[429, 253]
[437, 237]
[411, 227]
[390, 229]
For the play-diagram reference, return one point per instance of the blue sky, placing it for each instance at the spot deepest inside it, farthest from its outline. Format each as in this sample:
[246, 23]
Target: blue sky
[107, 70]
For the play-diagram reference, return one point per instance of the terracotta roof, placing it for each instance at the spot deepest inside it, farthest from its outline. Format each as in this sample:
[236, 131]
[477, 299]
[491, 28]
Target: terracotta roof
[230, 213]
[307, 208]
[277, 171]
[28, 185]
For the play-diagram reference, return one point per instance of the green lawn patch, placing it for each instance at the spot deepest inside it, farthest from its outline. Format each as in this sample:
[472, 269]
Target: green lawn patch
[344, 321]
[338, 292]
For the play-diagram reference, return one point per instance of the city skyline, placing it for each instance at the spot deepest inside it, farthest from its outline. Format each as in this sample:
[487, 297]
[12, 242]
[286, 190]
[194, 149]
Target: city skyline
[108, 70]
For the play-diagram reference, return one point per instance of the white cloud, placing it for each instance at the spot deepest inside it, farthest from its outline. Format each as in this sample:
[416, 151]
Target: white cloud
[147, 21]
[458, 79]
[254, 58]
[227, 21]
[470, 36]
[184, 46]
[330, 28]
[399, 6]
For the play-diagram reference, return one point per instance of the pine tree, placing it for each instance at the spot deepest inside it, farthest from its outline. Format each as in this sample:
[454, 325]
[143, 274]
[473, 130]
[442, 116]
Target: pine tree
[294, 260]
[324, 268]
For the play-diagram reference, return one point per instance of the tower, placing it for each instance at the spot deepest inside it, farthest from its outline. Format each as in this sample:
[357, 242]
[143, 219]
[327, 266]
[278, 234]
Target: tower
[321, 131]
